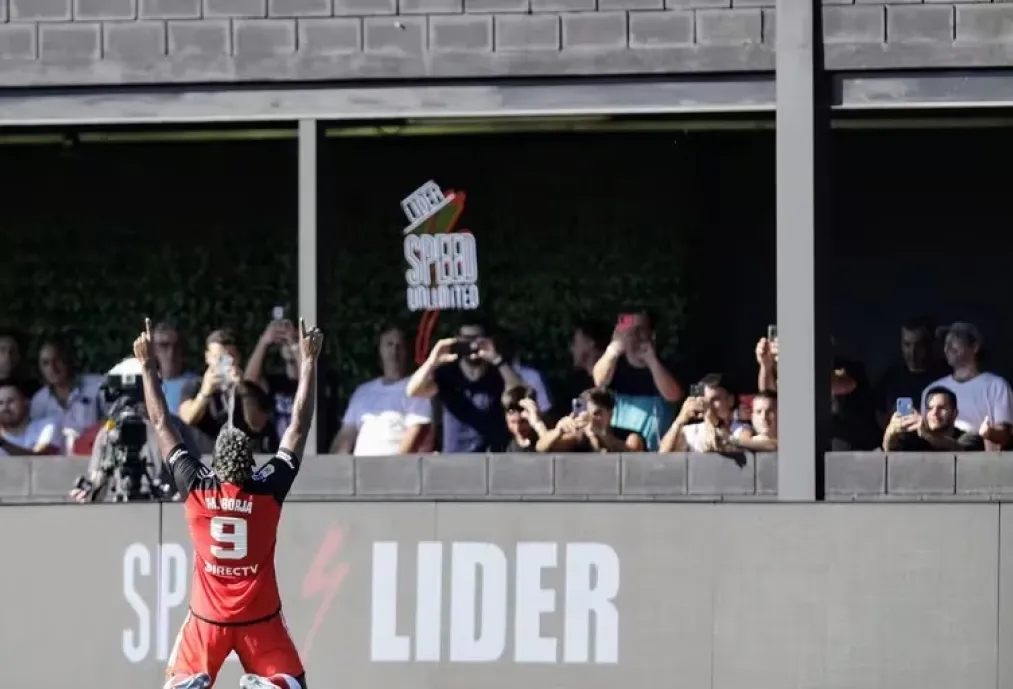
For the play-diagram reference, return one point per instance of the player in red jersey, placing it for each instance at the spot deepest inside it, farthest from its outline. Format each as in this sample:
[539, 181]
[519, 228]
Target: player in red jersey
[232, 512]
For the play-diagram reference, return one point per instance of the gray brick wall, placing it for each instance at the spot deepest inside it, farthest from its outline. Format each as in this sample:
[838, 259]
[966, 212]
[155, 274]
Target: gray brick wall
[850, 476]
[470, 477]
[157, 41]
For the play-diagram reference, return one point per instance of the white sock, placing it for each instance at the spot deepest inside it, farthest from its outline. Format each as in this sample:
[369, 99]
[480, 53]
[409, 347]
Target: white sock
[291, 681]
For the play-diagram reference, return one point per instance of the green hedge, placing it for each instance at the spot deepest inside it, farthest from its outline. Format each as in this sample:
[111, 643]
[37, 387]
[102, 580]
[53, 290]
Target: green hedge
[216, 246]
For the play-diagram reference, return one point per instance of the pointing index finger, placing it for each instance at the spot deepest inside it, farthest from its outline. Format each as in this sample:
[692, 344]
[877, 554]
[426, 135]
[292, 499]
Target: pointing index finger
[147, 327]
[302, 328]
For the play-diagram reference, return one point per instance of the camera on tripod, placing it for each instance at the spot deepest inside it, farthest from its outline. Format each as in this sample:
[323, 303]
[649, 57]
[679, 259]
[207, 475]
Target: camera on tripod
[122, 462]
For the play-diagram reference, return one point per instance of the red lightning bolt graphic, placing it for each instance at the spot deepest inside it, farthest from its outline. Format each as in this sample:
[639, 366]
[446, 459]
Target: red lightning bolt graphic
[324, 578]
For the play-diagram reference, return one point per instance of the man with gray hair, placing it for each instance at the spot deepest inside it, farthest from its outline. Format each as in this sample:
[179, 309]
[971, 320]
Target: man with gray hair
[233, 514]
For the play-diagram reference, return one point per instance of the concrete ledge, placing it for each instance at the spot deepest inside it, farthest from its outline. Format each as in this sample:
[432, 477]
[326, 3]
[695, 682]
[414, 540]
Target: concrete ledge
[917, 473]
[854, 475]
[850, 476]
[528, 476]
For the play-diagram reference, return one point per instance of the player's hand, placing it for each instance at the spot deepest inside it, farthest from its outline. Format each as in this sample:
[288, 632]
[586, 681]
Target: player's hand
[142, 345]
[79, 495]
[311, 341]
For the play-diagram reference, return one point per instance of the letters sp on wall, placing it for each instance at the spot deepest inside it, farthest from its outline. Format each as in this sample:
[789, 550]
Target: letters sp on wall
[474, 602]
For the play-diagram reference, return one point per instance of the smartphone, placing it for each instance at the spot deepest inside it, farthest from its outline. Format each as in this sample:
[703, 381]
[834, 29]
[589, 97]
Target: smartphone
[577, 406]
[225, 365]
[278, 313]
[696, 390]
[905, 406]
[771, 333]
[626, 321]
[463, 348]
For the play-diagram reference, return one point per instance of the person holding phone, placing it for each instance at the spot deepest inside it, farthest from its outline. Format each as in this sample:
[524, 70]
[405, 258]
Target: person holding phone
[706, 421]
[643, 385]
[932, 431]
[207, 402]
[588, 428]
[523, 419]
[279, 382]
[468, 377]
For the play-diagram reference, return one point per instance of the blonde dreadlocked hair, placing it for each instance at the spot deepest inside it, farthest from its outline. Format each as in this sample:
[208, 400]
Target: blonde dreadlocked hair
[232, 460]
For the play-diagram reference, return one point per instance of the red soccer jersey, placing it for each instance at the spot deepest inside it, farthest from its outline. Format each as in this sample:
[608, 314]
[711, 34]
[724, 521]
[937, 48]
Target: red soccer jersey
[234, 530]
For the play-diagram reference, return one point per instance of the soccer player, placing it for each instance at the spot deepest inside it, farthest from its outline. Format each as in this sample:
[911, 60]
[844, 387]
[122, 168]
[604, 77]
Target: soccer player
[232, 514]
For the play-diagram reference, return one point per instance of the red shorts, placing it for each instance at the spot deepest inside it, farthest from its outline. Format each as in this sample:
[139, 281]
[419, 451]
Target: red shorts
[264, 648]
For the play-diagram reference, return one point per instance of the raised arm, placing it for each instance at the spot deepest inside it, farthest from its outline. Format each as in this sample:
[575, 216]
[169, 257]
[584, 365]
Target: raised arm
[310, 343]
[154, 398]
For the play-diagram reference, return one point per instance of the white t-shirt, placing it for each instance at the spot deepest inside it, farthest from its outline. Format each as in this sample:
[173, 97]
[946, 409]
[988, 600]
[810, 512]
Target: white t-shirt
[696, 435]
[382, 413]
[984, 395]
[36, 430]
[534, 379]
[84, 408]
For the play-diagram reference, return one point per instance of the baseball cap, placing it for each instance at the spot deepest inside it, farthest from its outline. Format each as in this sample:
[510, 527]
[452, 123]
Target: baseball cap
[968, 332]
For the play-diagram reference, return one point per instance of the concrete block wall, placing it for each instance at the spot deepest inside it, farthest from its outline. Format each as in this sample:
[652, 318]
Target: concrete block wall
[470, 477]
[858, 476]
[176, 41]
[902, 476]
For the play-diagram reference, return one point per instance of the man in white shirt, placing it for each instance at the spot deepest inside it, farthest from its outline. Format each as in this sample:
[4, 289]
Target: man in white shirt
[73, 401]
[984, 400]
[381, 419]
[20, 436]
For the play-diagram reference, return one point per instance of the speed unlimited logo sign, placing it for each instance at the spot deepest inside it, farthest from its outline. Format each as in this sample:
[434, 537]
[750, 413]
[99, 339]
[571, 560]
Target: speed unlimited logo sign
[442, 269]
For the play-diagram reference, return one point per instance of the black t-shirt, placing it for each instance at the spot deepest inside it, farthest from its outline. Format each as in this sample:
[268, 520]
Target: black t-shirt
[627, 379]
[853, 418]
[514, 446]
[912, 442]
[217, 414]
[281, 396]
[577, 382]
[899, 382]
[473, 419]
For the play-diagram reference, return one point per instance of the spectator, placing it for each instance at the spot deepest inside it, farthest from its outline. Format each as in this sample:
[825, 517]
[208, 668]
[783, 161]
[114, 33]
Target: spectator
[381, 419]
[523, 419]
[706, 422]
[933, 431]
[468, 376]
[170, 351]
[853, 423]
[507, 346]
[984, 402]
[279, 387]
[588, 428]
[762, 435]
[73, 402]
[916, 371]
[590, 338]
[12, 363]
[20, 435]
[206, 402]
[643, 386]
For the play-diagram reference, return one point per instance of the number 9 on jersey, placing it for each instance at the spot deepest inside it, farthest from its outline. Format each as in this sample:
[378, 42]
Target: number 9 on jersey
[230, 537]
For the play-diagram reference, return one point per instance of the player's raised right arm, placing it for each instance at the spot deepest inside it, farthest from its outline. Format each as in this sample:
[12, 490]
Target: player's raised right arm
[185, 468]
[154, 398]
[310, 343]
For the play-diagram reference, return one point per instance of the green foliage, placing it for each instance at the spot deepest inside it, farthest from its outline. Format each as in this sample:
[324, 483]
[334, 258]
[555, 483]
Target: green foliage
[207, 237]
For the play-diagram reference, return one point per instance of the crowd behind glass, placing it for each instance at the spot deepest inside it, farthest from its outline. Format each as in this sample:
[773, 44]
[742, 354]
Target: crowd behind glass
[473, 394]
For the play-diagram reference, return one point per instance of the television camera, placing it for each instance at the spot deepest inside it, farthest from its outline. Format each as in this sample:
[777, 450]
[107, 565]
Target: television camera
[122, 461]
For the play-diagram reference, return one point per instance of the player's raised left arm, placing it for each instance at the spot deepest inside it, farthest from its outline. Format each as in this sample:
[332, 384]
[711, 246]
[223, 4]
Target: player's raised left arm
[310, 343]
